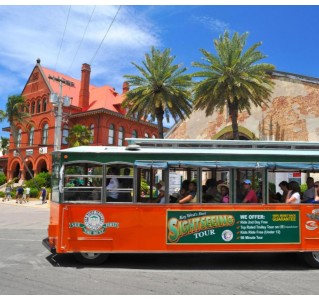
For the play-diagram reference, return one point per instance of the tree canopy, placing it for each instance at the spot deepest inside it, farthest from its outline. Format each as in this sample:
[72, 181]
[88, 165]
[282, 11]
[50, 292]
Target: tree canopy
[233, 77]
[161, 89]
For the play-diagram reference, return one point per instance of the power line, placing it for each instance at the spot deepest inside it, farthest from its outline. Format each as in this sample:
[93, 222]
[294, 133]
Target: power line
[82, 39]
[105, 35]
[66, 24]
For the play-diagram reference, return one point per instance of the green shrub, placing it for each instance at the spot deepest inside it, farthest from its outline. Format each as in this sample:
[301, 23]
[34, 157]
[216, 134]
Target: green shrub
[40, 180]
[34, 193]
[303, 187]
[3, 179]
[2, 194]
[144, 186]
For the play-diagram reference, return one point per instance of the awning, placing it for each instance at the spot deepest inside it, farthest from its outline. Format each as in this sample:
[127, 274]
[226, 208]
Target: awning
[217, 164]
[292, 166]
[150, 164]
[226, 164]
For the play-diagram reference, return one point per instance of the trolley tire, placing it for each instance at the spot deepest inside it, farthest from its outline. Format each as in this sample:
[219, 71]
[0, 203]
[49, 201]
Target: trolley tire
[93, 259]
[311, 258]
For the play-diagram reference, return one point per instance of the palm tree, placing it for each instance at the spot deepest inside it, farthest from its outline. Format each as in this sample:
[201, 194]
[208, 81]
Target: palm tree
[79, 135]
[4, 145]
[232, 78]
[161, 89]
[16, 115]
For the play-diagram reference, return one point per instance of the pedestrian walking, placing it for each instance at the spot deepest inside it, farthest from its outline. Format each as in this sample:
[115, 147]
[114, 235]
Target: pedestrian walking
[24, 196]
[44, 195]
[27, 193]
[19, 194]
[7, 193]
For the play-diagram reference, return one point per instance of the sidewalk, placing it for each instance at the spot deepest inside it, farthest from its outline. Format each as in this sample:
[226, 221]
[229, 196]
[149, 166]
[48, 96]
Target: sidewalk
[32, 203]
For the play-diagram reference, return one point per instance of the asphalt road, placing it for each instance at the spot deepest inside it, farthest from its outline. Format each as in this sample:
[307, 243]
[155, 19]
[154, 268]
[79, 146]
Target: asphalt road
[27, 268]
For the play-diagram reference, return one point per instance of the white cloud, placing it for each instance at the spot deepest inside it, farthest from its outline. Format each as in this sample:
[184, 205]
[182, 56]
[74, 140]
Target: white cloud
[31, 32]
[212, 24]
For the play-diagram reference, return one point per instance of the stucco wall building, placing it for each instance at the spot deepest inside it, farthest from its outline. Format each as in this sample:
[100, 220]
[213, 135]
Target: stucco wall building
[292, 115]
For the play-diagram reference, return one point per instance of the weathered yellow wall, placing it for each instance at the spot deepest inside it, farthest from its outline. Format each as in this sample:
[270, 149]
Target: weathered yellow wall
[292, 115]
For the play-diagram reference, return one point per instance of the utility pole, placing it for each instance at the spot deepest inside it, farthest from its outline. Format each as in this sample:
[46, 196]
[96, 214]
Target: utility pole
[59, 101]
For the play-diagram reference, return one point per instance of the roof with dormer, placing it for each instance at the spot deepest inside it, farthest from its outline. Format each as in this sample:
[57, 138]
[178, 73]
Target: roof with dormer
[100, 97]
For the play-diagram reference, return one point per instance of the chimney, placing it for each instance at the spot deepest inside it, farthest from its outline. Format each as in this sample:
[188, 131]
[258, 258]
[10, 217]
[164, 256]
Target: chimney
[84, 97]
[125, 87]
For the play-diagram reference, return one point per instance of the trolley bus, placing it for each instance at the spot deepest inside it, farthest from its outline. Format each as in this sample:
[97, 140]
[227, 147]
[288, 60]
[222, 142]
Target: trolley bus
[106, 199]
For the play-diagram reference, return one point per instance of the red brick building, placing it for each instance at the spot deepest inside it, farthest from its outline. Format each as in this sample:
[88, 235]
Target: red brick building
[98, 108]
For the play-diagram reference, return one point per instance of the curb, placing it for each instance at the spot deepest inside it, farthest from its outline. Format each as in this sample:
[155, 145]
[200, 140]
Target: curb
[31, 203]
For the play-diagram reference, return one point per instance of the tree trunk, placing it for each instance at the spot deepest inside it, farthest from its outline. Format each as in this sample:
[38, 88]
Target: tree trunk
[233, 111]
[160, 116]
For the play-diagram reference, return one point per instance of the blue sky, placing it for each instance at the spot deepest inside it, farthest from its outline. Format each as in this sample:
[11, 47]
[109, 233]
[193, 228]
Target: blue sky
[289, 35]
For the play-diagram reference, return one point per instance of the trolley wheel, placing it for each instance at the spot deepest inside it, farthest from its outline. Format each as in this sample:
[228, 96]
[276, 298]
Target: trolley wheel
[311, 258]
[89, 258]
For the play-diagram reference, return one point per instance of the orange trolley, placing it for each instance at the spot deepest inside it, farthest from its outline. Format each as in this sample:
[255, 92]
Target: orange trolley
[106, 199]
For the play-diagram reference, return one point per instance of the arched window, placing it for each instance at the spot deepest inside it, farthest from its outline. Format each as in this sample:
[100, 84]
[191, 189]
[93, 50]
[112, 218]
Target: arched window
[32, 107]
[153, 136]
[111, 134]
[27, 108]
[65, 135]
[146, 135]
[45, 132]
[19, 137]
[31, 136]
[134, 134]
[44, 104]
[92, 133]
[121, 136]
[38, 106]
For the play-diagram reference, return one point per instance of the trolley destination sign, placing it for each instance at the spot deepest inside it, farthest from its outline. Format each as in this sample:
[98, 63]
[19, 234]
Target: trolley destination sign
[233, 227]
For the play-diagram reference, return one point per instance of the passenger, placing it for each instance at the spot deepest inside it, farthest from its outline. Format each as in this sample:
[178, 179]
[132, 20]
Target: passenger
[223, 189]
[316, 191]
[211, 192]
[191, 195]
[309, 194]
[179, 193]
[284, 185]
[112, 185]
[250, 195]
[184, 189]
[161, 192]
[294, 193]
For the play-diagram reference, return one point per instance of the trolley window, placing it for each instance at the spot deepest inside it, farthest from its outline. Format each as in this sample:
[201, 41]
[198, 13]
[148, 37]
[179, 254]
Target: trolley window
[119, 183]
[83, 182]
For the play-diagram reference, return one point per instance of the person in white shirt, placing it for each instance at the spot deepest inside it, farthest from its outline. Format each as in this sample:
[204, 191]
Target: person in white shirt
[27, 193]
[294, 193]
[161, 192]
[309, 194]
[113, 185]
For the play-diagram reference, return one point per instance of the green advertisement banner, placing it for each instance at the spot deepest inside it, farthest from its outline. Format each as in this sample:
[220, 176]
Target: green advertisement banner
[233, 227]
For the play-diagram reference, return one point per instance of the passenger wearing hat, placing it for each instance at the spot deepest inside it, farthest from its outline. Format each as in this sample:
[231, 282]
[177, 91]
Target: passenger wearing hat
[223, 189]
[250, 196]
